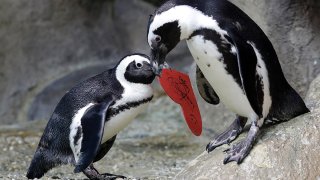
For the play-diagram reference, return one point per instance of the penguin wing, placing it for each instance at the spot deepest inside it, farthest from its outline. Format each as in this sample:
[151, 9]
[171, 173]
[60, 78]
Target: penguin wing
[92, 124]
[247, 62]
[205, 89]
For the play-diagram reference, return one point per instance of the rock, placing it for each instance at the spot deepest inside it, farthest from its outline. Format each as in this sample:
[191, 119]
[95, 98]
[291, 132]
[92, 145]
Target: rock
[293, 28]
[289, 150]
[44, 102]
[45, 41]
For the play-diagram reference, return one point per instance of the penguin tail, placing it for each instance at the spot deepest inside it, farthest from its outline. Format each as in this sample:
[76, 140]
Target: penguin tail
[41, 163]
[286, 104]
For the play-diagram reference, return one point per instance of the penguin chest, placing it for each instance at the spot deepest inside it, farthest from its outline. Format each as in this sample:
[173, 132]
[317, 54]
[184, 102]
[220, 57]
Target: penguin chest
[208, 58]
[134, 100]
[120, 120]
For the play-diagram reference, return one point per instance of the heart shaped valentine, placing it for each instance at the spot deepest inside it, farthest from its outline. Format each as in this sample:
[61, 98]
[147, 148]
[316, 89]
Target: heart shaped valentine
[178, 87]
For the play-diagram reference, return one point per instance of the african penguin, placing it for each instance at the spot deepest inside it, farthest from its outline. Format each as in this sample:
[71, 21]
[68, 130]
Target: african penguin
[85, 123]
[236, 64]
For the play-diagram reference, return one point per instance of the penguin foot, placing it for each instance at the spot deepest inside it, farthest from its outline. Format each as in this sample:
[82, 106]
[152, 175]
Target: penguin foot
[240, 150]
[237, 152]
[92, 173]
[228, 135]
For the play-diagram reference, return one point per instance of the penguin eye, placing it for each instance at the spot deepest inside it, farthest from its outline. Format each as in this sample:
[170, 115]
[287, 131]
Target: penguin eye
[139, 65]
[157, 38]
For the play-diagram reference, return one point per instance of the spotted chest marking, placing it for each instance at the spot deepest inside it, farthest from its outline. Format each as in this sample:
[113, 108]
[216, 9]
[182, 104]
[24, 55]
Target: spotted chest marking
[224, 84]
[224, 47]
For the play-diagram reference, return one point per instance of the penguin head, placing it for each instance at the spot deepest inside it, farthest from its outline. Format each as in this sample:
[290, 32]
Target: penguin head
[164, 33]
[135, 68]
[163, 39]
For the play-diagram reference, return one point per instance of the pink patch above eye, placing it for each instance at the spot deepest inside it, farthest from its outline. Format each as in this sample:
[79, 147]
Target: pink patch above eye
[178, 87]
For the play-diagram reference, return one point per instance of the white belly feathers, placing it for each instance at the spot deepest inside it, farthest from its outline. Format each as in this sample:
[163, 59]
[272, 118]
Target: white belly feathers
[207, 56]
[120, 121]
[133, 93]
[116, 122]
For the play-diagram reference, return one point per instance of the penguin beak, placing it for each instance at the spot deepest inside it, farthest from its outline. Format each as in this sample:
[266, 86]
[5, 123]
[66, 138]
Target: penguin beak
[156, 69]
[158, 56]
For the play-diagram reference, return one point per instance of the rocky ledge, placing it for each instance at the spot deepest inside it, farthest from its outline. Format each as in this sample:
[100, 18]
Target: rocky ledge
[286, 151]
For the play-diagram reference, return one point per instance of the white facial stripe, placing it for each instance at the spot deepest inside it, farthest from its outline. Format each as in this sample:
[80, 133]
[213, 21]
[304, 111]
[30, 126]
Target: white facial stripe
[132, 91]
[76, 122]
[189, 18]
[122, 67]
[141, 61]
[263, 73]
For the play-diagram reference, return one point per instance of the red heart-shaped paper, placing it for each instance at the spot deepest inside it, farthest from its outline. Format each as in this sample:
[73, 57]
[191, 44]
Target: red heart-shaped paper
[178, 87]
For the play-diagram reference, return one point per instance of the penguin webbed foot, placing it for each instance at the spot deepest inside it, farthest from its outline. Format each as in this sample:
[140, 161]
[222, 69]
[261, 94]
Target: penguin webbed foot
[237, 152]
[92, 173]
[240, 150]
[228, 135]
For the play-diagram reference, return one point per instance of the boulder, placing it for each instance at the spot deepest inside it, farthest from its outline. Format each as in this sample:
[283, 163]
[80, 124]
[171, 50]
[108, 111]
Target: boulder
[289, 150]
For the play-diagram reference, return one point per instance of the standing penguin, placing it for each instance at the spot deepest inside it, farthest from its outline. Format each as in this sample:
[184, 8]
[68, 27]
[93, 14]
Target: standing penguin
[84, 125]
[236, 64]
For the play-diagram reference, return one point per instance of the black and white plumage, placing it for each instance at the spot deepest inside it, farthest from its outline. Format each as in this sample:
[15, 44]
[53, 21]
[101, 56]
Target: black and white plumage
[85, 123]
[236, 65]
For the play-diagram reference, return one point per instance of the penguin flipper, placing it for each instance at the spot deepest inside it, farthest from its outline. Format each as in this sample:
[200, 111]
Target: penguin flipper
[92, 124]
[104, 148]
[247, 62]
[205, 89]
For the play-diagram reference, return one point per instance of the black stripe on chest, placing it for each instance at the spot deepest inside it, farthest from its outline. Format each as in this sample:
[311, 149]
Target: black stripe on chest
[114, 111]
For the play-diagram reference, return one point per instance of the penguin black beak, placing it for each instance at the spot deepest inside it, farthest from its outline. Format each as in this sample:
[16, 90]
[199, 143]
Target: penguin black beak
[158, 56]
[156, 69]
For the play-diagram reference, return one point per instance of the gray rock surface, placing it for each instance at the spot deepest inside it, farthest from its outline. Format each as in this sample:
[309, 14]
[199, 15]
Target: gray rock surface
[45, 40]
[293, 28]
[286, 151]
